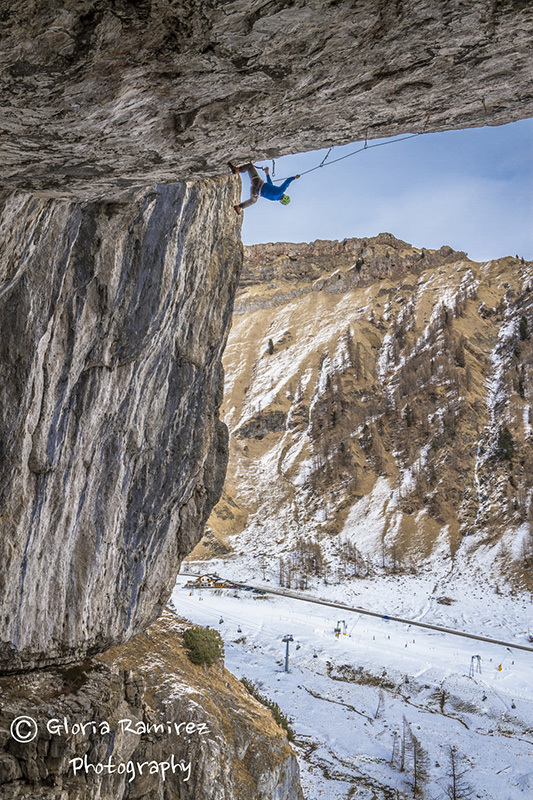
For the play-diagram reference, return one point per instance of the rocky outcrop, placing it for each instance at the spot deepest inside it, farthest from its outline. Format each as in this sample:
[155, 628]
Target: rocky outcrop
[195, 731]
[286, 270]
[261, 425]
[306, 262]
[99, 97]
[113, 319]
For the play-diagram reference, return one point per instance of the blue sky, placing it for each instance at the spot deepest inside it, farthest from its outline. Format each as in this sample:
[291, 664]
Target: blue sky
[470, 189]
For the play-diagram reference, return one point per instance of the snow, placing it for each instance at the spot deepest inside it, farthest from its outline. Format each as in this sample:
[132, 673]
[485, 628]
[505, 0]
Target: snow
[500, 359]
[365, 522]
[384, 356]
[332, 691]
[527, 425]
[520, 538]
[291, 456]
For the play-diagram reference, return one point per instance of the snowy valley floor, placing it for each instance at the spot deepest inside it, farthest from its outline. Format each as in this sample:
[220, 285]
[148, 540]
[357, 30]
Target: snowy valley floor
[349, 698]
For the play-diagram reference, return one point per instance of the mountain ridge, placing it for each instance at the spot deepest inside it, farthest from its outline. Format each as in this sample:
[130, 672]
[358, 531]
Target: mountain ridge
[402, 385]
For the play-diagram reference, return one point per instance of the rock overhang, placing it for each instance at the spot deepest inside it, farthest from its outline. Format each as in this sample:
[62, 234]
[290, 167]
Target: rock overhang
[101, 98]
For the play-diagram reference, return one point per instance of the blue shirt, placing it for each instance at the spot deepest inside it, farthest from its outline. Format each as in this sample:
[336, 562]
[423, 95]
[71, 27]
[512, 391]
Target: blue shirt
[272, 192]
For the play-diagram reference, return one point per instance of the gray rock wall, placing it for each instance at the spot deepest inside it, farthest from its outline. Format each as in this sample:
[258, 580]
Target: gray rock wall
[100, 96]
[113, 319]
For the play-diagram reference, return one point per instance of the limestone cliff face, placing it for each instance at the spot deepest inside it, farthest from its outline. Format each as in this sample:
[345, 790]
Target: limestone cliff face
[231, 750]
[113, 319]
[99, 96]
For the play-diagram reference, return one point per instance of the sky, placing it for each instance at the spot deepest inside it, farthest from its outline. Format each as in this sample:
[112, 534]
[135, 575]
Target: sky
[470, 189]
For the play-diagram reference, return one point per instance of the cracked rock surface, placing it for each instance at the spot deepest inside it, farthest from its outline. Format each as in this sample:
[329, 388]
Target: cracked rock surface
[113, 319]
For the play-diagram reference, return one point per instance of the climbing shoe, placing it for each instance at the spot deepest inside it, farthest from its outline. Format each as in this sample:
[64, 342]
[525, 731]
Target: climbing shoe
[235, 170]
[238, 209]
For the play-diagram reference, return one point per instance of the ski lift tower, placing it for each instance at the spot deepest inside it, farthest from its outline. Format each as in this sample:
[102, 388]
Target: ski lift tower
[288, 638]
[475, 665]
[338, 630]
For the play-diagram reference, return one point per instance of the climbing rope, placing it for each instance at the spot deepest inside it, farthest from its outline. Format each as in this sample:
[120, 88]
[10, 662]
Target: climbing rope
[325, 158]
[366, 146]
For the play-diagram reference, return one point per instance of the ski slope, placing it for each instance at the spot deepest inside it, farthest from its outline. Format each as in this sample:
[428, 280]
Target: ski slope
[347, 697]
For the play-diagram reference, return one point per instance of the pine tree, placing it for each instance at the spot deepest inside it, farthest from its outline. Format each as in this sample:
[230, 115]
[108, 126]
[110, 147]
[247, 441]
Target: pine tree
[378, 454]
[505, 445]
[358, 363]
[460, 353]
[366, 438]
[420, 766]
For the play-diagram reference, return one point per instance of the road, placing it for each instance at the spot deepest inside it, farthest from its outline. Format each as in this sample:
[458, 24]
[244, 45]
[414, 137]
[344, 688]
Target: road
[378, 615]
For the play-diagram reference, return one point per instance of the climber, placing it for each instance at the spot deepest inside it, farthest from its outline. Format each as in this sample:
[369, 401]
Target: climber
[266, 188]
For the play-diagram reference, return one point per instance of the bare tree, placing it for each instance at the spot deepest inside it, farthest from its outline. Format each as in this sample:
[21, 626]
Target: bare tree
[458, 788]
[394, 754]
[407, 748]
[405, 742]
[381, 703]
[468, 377]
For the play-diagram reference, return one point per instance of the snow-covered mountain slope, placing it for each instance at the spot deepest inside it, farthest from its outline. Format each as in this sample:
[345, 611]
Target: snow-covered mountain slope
[379, 399]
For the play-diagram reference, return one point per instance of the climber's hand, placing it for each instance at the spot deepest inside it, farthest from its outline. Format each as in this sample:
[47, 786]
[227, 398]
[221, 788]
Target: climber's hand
[296, 176]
